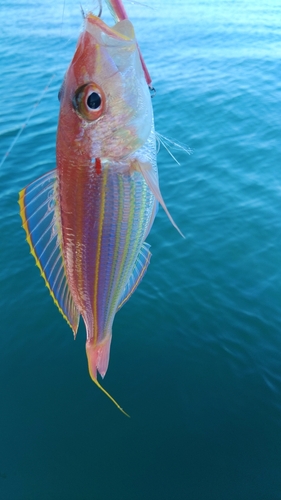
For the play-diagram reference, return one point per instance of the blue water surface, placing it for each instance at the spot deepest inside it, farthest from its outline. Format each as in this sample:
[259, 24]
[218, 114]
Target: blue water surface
[196, 352]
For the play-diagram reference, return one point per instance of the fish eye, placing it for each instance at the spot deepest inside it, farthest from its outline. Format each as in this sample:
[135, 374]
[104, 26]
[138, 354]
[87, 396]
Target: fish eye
[94, 100]
[89, 101]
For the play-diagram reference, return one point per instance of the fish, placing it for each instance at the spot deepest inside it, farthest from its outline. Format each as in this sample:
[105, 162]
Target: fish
[87, 220]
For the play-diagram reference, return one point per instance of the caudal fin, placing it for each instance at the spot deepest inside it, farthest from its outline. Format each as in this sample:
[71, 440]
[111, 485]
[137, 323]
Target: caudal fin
[98, 356]
[98, 359]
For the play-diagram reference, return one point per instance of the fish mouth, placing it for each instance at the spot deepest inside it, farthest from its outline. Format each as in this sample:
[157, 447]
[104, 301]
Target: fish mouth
[126, 30]
[122, 32]
[122, 68]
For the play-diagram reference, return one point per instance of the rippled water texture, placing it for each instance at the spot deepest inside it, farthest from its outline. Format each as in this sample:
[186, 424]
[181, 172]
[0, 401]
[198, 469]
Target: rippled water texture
[196, 352]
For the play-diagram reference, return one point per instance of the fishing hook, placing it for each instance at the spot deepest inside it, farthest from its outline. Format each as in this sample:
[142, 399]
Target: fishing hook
[100, 9]
[82, 11]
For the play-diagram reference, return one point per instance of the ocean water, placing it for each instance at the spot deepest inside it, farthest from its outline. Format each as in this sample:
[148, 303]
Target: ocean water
[196, 352]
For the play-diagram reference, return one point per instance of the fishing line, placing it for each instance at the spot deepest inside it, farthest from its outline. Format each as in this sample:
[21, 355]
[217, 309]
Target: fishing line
[62, 18]
[133, 2]
[26, 121]
[36, 104]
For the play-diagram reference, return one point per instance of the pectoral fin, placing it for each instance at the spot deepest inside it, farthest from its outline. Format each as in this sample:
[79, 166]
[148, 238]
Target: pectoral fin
[152, 182]
[40, 220]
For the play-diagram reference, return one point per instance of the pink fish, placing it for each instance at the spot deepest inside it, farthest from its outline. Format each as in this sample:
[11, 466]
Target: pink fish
[86, 221]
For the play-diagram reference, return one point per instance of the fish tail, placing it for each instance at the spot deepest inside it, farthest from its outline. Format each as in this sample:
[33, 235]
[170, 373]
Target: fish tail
[98, 357]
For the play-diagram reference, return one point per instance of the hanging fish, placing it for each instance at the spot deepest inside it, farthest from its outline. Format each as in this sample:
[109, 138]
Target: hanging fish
[86, 221]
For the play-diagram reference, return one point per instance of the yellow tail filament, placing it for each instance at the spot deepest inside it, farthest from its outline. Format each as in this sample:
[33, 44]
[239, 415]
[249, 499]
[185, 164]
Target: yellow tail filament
[110, 397]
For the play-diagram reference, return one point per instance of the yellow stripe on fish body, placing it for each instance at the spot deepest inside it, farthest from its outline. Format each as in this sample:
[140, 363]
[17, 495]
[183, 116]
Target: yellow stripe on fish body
[97, 264]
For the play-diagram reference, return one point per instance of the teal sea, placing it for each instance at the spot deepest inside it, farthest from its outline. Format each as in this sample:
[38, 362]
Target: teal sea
[196, 352]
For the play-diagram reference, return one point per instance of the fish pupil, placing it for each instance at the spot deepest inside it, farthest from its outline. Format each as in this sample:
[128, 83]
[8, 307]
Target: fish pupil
[94, 100]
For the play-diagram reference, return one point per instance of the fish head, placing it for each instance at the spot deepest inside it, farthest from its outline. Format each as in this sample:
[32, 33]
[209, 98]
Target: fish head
[105, 104]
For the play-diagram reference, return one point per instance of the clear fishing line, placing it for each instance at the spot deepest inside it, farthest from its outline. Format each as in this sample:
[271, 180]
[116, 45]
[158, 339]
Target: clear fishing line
[24, 125]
